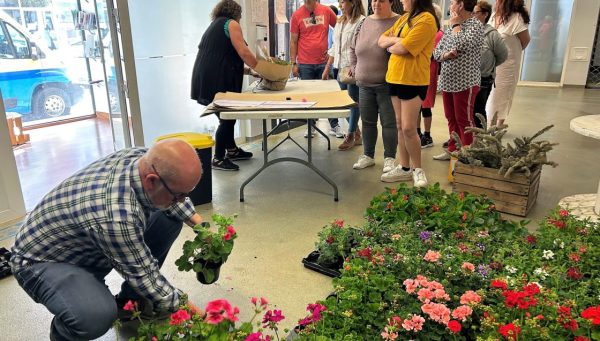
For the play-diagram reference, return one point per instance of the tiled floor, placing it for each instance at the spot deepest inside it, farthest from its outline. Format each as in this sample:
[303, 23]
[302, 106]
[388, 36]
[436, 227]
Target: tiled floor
[287, 205]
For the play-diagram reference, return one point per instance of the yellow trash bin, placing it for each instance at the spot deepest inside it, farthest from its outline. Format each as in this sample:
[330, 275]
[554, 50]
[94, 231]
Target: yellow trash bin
[203, 143]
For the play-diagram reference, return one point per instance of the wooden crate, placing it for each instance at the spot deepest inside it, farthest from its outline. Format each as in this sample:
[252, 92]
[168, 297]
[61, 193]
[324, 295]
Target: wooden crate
[515, 195]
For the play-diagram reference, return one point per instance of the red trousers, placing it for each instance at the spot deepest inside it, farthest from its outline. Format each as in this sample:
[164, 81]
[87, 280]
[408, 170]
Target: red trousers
[458, 107]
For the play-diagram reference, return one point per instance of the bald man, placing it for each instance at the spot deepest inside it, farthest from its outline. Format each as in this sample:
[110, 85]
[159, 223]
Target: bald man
[122, 212]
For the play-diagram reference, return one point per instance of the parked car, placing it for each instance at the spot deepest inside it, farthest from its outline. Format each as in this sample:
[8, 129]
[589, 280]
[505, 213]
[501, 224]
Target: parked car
[30, 74]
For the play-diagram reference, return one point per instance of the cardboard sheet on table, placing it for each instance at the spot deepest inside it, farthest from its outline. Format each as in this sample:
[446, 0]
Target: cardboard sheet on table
[324, 100]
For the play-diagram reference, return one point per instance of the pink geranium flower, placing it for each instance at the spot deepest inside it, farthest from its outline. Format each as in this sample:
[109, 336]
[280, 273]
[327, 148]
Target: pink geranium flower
[425, 295]
[179, 317]
[410, 285]
[415, 323]
[432, 256]
[437, 312]
[230, 230]
[129, 306]
[462, 312]
[218, 310]
[263, 301]
[468, 266]
[388, 334]
[470, 297]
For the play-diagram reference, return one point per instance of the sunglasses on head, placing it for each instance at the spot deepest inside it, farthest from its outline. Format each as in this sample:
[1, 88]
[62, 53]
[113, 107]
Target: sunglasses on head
[312, 18]
[176, 196]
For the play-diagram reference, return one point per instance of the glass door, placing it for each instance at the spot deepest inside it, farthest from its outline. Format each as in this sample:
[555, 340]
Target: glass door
[544, 58]
[112, 91]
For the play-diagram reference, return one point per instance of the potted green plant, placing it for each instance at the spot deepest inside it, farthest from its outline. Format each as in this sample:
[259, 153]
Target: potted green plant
[208, 250]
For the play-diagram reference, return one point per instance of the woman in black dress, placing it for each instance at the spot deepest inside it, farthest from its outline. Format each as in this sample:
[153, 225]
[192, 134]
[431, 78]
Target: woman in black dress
[219, 67]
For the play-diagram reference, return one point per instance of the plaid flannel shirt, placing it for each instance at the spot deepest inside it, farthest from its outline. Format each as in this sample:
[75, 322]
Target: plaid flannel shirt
[96, 219]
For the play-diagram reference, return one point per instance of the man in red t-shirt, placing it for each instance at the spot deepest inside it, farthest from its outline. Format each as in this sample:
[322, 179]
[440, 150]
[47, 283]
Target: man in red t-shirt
[308, 45]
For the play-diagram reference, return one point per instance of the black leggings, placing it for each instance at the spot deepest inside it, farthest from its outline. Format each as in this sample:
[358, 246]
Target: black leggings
[224, 138]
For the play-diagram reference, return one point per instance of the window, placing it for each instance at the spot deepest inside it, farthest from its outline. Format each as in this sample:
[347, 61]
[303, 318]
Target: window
[6, 51]
[19, 42]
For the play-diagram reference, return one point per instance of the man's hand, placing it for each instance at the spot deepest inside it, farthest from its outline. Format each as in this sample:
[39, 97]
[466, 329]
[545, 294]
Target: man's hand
[454, 19]
[194, 220]
[325, 75]
[195, 310]
[295, 70]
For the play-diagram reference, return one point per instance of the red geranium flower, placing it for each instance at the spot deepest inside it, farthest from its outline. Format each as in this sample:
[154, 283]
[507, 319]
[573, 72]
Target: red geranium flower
[574, 273]
[531, 239]
[571, 325]
[563, 213]
[498, 284]
[592, 314]
[580, 338]
[454, 326]
[509, 331]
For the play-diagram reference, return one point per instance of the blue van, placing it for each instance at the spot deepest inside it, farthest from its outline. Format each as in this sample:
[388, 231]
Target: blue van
[32, 81]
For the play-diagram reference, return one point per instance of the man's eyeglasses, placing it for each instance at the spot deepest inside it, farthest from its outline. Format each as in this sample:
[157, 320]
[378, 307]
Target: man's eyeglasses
[313, 19]
[176, 196]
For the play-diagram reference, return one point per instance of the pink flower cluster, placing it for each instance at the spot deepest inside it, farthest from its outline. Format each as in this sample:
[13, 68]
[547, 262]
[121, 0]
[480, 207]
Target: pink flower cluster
[415, 323]
[462, 312]
[179, 317]
[429, 290]
[338, 223]
[263, 302]
[315, 314]
[432, 256]
[412, 323]
[258, 336]
[468, 266]
[470, 297]
[437, 312]
[219, 310]
[230, 233]
[272, 317]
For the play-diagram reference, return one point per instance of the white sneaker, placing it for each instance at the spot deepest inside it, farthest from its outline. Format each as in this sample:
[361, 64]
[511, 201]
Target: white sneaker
[388, 164]
[419, 179]
[337, 132]
[445, 156]
[364, 161]
[312, 132]
[396, 174]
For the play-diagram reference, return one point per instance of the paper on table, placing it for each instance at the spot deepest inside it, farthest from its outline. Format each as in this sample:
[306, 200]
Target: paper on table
[224, 103]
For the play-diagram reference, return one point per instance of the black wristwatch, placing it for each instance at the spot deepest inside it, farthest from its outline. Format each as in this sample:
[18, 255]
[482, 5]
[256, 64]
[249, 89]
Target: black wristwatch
[455, 25]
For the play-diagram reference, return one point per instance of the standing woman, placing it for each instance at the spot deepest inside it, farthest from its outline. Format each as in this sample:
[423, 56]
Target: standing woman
[410, 42]
[219, 67]
[353, 14]
[369, 63]
[510, 19]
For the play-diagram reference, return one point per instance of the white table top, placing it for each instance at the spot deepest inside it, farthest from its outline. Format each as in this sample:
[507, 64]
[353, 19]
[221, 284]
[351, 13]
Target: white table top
[306, 86]
[286, 114]
[587, 125]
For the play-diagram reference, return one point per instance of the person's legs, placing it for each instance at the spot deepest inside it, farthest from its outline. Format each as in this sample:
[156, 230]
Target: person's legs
[354, 112]
[368, 105]
[448, 98]
[403, 155]
[481, 100]
[82, 306]
[410, 112]
[159, 236]
[463, 111]
[224, 137]
[389, 130]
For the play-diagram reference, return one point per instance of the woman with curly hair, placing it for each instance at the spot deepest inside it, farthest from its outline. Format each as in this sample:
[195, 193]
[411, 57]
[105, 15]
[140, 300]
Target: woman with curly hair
[219, 67]
[510, 19]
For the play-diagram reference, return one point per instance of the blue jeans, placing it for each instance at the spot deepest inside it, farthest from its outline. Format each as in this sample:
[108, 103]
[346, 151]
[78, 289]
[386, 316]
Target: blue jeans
[82, 305]
[315, 71]
[355, 111]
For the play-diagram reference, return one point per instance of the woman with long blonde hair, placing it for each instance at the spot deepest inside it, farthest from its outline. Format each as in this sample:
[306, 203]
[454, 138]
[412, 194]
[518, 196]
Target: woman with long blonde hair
[353, 14]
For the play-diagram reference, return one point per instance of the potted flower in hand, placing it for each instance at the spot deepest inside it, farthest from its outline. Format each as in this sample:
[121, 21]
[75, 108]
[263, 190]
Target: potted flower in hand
[208, 250]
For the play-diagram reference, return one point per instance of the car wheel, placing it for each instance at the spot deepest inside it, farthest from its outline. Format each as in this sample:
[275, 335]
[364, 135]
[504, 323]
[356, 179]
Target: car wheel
[52, 102]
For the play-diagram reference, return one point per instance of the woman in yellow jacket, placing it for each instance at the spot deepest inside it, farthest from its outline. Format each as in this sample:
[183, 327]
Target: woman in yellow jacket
[410, 41]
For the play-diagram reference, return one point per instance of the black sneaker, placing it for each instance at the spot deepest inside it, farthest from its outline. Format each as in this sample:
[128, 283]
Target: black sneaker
[426, 141]
[238, 154]
[445, 144]
[225, 165]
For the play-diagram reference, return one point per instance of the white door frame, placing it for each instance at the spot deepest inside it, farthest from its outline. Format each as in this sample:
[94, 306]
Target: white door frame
[12, 205]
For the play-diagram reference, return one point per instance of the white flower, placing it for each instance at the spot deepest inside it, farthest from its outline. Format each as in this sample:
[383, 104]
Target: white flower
[538, 284]
[541, 273]
[559, 243]
[548, 254]
[511, 269]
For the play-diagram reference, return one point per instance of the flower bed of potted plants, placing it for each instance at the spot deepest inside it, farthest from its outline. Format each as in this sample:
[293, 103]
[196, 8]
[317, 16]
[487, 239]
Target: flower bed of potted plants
[433, 265]
[208, 250]
[335, 242]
